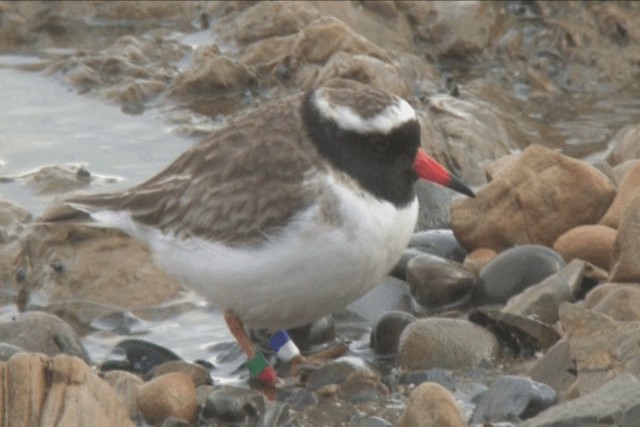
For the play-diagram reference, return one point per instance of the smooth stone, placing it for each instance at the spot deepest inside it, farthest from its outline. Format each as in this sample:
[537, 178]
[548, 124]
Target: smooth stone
[627, 190]
[42, 333]
[513, 398]
[617, 402]
[126, 386]
[434, 375]
[591, 243]
[437, 283]
[373, 421]
[541, 301]
[8, 350]
[625, 263]
[297, 398]
[431, 405]
[556, 368]
[527, 203]
[477, 259]
[522, 335]
[440, 242]
[336, 372]
[199, 374]
[175, 422]
[363, 386]
[63, 390]
[13, 219]
[385, 333]
[447, 344]
[514, 270]
[170, 395]
[620, 301]
[137, 356]
[400, 269]
[434, 206]
[390, 295]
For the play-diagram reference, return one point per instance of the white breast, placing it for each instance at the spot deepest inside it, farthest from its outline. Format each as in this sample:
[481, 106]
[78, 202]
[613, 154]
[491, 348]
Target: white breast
[313, 268]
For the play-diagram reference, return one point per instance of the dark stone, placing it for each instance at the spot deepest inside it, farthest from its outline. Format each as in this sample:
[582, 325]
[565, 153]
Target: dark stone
[137, 356]
[276, 415]
[440, 242]
[437, 283]
[522, 335]
[385, 333]
[513, 398]
[335, 372]
[224, 407]
[390, 294]
[514, 270]
[434, 375]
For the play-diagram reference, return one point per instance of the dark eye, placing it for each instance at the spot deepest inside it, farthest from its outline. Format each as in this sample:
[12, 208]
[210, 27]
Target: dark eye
[381, 143]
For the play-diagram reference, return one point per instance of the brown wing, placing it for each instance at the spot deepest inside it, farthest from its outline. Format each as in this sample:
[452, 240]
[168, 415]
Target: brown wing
[238, 186]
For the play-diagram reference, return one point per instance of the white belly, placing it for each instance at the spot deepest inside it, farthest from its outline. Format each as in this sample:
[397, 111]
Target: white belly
[314, 268]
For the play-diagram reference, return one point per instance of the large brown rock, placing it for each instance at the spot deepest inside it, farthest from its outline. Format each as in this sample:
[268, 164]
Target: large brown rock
[61, 391]
[541, 195]
[629, 187]
[169, 395]
[625, 264]
[620, 301]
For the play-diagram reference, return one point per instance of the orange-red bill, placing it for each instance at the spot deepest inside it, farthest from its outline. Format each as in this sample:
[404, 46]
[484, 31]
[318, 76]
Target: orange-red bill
[429, 169]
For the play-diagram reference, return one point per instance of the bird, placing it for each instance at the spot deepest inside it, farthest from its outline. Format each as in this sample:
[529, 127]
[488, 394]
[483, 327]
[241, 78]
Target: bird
[289, 212]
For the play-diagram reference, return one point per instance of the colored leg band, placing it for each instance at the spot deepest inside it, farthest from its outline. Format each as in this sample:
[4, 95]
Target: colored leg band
[259, 368]
[284, 346]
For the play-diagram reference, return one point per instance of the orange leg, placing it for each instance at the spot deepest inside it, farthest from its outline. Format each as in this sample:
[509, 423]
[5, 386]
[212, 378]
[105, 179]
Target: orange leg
[239, 333]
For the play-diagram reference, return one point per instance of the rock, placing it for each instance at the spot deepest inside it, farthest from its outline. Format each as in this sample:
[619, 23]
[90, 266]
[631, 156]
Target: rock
[625, 263]
[541, 301]
[513, 270]
[276, 415]
[615, 403]
[431, 405]
[198, 373]
[8, 350]
[99, 267]
[385, 333]
[478, 259]
[439, 242]
[522, 335]
[400, 269]
[169, 395]
[445, 343]
[620, 170]
[513, 398]
[437, 283]
[592, 243]
[13, 219]
[627, 190]
[363, 386]
[231, 404]
[336, 372]
[620, 301]
[556, 368]
[36, 390]
[530, 203]
[625, 145]
[372, 421]
[41, 333]
[391, 294]
[600, 346]
[126, 387]
[434, 205]
[137, 356]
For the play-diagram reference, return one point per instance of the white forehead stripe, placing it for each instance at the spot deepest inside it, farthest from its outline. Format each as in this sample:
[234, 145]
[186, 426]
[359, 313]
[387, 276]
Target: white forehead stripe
[390, 118]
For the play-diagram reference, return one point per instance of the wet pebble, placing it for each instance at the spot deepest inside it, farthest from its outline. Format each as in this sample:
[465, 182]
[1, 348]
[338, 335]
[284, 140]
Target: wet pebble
[170, 395]
[41, 332]
[513, 270]
[230, 404]
[477, 259]
[363, 386]
[441, 242]
[276, 415]
[431, 405]
[336, 372]
[385, 333]
[454, 344]
[513, 398]
[390, 295]
[373, 422]
[592, 243]
[126, 385]
[437, 283]
[8, 350]
[556, 368]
